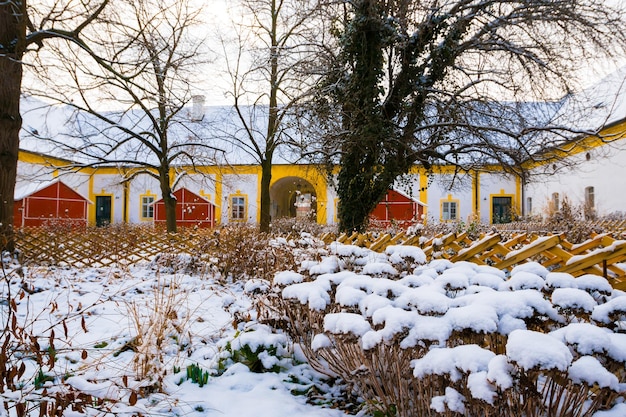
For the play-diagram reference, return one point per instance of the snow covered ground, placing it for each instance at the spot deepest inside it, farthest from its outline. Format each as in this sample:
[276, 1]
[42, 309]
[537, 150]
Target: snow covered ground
[184, 320]
[126, 336]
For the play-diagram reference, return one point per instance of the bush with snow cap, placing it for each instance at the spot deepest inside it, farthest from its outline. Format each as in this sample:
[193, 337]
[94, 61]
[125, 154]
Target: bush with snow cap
[258, 348]
[459, 339]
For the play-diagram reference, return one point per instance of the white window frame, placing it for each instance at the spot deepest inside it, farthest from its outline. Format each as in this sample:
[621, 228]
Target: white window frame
[449, 210]
[238, 207]
[147, 206]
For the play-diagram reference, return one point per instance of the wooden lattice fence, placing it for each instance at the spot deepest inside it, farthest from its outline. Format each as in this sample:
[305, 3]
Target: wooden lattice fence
[96, 247]
[600, 255]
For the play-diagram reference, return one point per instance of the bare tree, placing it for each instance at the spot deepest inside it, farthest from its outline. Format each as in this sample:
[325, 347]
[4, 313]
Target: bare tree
[131, 94]
[267, 64]
[456, 82]
[25, 27]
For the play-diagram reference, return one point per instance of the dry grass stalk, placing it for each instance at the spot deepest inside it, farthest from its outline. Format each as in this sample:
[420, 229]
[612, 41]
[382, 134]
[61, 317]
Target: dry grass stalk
[159, 328]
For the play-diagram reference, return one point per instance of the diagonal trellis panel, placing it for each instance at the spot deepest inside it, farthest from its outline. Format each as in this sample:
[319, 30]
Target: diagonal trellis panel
[99, 247]
[127, 245]
[601, 255]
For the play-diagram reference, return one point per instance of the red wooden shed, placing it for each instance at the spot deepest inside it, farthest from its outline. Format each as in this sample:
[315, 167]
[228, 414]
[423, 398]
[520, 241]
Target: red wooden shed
[191, 210]
[399, 208]
[51, 201]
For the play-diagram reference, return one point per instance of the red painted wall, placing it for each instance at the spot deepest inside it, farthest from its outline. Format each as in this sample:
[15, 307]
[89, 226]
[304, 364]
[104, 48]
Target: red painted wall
[191, 210]
[398, 208]
[56, 202]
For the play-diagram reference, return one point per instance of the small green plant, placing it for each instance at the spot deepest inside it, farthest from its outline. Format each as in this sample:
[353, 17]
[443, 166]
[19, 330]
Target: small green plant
[41, 379]
[197, 375]
[390, 412]
[251, 358]
[259, 348]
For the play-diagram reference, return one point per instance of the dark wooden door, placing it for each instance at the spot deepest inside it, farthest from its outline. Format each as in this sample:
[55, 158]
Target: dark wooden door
[103, 210]
[501, 208]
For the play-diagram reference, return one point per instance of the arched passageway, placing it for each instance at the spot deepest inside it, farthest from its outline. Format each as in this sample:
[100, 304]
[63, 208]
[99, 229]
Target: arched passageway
[293, 197]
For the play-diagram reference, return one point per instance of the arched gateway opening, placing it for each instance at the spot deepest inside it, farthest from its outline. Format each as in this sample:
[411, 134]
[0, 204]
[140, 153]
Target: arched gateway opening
[293, 197]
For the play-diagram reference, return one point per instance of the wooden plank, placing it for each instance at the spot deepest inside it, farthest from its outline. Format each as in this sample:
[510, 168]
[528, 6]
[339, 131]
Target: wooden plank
[412, 241]
[556, 256]
[478, 247]
[397, 238]
[591, 244]
[536, 247]
[381, 243]
[611, 254]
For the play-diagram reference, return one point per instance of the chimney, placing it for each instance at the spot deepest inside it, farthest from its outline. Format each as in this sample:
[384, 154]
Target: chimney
[197, 108]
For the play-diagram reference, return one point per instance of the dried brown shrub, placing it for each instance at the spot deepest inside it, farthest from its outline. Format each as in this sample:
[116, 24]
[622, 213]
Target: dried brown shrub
[382, 373]
[241, 252]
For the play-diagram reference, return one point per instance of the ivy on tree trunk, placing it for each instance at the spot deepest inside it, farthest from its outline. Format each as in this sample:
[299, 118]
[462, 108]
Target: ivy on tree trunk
[12, 36]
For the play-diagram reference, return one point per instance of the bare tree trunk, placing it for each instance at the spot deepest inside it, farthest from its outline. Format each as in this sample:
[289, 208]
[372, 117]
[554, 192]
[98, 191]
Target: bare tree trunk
[272, 126]
[12, 34]
[168, 200]
[266, 178]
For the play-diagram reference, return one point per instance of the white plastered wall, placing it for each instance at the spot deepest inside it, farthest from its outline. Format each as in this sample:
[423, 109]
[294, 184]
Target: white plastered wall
[603, 168]
[444, 187]
[494, 185]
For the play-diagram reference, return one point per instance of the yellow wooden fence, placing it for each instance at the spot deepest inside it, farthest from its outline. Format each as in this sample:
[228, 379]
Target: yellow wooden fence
[600, 255]
[97, 247]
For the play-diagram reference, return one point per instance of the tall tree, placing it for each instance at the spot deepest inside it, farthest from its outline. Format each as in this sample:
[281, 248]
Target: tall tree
[267, 67]
[25, 27]
[428, 82]
[131, 94]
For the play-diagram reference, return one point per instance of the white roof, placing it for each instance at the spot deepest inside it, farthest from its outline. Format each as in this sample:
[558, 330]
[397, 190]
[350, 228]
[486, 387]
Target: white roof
[598, 106]
[31, 187]
[590, 110]
[217, 129]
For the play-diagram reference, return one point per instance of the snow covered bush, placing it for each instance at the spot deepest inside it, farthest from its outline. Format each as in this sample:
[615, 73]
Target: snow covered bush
[257, 347]
[442, 338]
[35, 340]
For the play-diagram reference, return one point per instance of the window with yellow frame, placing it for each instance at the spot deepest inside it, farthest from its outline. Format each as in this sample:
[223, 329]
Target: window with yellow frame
[147, 206]
[238, 207]
[449, 209]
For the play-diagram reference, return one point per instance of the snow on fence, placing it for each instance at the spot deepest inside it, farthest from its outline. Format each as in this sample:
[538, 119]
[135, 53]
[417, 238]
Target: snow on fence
[124, 245]
[600, 255]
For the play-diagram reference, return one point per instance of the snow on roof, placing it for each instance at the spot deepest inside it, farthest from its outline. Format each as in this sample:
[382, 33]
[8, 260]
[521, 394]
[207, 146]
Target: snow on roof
[220, 130]
[600, 105]
[31, 187]
[592, 109]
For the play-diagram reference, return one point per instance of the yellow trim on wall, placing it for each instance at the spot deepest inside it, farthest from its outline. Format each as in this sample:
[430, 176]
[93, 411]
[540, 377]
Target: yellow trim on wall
[517, 202]
[205, 195]
[218, 197]
[310, 174]
[258, 194]
[91, 211]
[476, 195]
[423, 181]
[40, 159]
[580, 145]
[449, 200]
